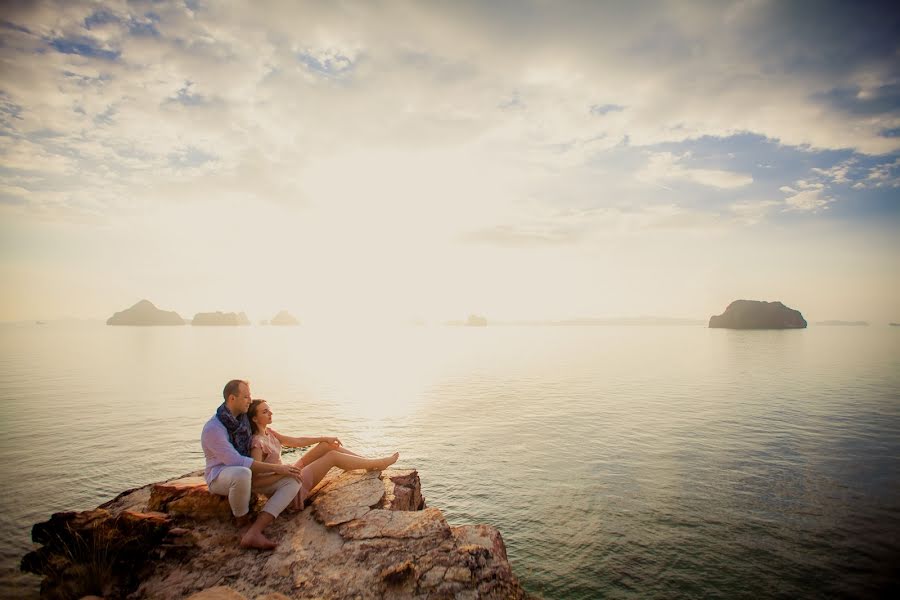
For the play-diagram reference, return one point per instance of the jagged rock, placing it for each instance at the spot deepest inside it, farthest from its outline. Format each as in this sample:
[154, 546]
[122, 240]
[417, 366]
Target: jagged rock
[476, 321]
[284, 318]
[220, 318]
[189, 496]
[363, 535]
[145, 313]
[100, 551]
[754, 314]
[220, 592]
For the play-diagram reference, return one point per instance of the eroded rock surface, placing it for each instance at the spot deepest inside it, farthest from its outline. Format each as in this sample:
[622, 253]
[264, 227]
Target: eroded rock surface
[362, 535]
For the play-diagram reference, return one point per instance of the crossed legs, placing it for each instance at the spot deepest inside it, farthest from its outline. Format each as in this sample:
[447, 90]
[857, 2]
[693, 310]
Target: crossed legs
[320, 450]
[346, 461]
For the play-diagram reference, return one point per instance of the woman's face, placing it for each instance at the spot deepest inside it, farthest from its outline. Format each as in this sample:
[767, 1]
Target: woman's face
[263, 415]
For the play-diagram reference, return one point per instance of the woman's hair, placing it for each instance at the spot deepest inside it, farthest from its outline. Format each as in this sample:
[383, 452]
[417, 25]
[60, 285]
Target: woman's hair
[251, 412]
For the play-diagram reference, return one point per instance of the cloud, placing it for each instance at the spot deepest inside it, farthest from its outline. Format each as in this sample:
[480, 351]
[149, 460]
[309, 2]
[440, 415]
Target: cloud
[668, 167]
[839, 173]
[884, 175]
[811, 200]
[127, 89]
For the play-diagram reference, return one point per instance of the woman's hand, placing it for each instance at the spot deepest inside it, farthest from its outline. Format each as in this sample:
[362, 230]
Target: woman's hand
[288, 470]
[332, 440]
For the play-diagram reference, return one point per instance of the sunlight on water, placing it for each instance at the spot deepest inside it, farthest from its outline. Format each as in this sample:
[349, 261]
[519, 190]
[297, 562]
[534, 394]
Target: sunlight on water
[624, 462]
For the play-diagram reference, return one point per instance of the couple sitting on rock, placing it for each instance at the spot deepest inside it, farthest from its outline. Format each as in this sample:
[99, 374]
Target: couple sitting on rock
[243, 454]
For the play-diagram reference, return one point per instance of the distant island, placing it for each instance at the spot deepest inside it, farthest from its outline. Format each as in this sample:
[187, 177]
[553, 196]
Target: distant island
[756, 314]
[284, 318]
[144, 313]
[894, 324]
[844, 323]
[471, 321]
[220, 318]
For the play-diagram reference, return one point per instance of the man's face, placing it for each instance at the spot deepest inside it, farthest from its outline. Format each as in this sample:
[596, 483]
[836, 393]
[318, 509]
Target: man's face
[242, 402]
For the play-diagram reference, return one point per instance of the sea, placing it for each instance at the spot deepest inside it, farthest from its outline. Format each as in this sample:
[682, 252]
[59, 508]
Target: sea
[616, 461]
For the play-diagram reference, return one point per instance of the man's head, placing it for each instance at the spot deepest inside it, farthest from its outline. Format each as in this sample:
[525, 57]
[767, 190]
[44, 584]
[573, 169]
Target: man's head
[237, 396]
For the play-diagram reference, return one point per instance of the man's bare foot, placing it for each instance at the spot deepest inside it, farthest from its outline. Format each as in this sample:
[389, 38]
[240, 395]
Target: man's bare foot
[253, 539]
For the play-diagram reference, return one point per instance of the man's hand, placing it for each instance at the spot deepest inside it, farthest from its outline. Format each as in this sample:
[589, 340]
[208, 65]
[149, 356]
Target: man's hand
[332, 440]
[288, 470]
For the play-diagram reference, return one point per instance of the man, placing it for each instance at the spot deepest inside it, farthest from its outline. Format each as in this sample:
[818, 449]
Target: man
[229, 468]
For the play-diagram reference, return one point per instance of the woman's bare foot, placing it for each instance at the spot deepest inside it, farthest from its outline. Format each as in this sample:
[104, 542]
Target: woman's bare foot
[254, 539]
[383, 463]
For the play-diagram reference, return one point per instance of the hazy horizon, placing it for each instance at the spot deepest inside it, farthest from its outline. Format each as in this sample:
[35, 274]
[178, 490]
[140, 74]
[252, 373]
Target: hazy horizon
[393, 161]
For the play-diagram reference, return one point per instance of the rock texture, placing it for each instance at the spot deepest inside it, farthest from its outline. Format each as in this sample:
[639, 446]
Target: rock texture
[284, 318]
[754, 314]
[145, 313]
[220, 318]
[362, 535]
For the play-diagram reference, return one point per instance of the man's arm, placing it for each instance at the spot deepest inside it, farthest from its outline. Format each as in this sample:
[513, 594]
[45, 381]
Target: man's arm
[215, 441]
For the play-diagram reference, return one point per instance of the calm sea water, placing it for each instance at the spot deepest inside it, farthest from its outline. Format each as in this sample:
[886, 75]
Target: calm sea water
[618, 462]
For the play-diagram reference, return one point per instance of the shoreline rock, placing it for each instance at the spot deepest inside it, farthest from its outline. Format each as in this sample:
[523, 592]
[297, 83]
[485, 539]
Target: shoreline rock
[362, 535]
[756, 314]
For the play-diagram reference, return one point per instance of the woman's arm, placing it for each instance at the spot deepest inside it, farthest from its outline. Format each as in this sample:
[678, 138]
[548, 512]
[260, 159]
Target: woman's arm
[301, 442]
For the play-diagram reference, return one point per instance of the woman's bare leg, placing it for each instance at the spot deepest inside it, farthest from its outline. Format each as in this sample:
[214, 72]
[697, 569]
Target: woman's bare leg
[320, 450]
[347, 462]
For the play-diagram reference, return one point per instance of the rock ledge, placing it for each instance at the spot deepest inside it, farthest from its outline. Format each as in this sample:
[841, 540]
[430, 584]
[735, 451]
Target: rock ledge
[362, 535]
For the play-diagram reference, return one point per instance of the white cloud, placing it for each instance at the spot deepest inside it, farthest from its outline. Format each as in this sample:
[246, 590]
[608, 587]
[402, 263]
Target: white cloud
[808, 201]
[838, 173]
[666, 167]
[885, 175]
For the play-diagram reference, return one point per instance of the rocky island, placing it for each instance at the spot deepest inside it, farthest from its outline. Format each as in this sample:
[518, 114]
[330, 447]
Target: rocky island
[476, 321]
[284, 318]
[362, 535]
[220, 318]
[145, 313]
[755, 314]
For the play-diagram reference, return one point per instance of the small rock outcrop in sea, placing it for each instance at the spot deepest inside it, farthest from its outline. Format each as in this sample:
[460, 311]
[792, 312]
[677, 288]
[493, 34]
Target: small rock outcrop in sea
[476, 321]
[284, 318]
[755, 314]
[145, 313]
[220, 318]
[362, 535]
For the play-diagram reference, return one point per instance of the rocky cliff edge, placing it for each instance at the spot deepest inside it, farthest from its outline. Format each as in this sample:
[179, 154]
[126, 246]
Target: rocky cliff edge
[362, 535]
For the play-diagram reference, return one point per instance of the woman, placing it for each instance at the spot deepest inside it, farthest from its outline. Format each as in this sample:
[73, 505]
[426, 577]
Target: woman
[314, 464]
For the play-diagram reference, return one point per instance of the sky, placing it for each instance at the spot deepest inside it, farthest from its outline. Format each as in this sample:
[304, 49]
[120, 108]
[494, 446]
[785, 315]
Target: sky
[519, 160]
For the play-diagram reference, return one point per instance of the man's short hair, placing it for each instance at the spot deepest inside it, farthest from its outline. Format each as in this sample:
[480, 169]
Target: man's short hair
[232, 388]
